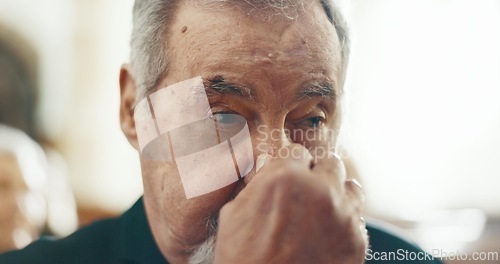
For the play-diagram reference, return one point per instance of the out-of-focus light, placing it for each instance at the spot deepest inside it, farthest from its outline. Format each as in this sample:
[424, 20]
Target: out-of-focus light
[424, 116]
[449, 230]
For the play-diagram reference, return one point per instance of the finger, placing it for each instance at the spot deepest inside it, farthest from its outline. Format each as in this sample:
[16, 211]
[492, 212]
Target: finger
[330, 166]
[292, 159]
[364, 231]
[262, 160]
[355, 198]
[294, 155]
[355, 195]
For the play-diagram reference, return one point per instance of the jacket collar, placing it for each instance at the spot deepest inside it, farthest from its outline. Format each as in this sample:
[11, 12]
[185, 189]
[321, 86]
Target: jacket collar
[135, 239]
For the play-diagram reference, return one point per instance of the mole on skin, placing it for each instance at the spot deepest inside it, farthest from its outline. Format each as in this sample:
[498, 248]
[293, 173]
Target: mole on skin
[184, 29]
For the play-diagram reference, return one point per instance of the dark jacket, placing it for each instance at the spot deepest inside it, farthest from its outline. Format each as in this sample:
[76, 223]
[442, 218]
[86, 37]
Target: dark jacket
[128, 239]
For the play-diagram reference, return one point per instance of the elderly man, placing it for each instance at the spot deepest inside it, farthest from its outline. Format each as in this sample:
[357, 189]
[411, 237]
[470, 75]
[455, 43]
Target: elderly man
[231, 105]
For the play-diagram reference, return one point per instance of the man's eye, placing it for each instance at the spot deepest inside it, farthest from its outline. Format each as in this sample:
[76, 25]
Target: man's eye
[226, 118]
[313, 122]
[228, 124]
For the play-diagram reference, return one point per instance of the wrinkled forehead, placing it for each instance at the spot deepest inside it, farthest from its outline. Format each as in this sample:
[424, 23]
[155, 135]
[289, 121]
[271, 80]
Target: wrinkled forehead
[308, 20]
[234, 30]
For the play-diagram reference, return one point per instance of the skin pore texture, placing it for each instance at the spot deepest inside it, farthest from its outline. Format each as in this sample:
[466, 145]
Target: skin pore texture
[275, 58]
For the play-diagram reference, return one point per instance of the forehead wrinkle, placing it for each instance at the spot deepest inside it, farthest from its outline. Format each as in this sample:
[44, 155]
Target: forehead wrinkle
[256, 53]
[274, 50]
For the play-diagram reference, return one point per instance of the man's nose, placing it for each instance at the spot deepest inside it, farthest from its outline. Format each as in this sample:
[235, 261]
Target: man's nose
[271, 140]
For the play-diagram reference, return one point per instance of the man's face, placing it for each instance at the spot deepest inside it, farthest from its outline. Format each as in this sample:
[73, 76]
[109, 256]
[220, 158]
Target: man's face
[291, 67]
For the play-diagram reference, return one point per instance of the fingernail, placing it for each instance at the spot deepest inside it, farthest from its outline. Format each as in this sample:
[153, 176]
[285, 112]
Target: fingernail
[357, 183]
[333, 154]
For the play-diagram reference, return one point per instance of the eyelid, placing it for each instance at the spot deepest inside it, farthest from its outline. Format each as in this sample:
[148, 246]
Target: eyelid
[322, 114]
[223, 112]
[211, 112]
[321, 119]
[317, 112]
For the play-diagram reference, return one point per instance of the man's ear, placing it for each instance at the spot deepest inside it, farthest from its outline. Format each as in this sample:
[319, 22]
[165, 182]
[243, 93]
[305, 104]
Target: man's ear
[128, 93]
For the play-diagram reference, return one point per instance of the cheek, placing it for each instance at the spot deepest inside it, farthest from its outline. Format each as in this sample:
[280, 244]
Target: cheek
[164, 187]
[162, 183]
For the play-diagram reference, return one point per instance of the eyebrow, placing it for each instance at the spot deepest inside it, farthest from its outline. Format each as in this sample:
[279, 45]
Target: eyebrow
[318, 89]
[219, 86]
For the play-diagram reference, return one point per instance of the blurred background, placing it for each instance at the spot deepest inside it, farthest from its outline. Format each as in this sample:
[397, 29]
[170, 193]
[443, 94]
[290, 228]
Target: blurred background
[423, 121]
[421, 131]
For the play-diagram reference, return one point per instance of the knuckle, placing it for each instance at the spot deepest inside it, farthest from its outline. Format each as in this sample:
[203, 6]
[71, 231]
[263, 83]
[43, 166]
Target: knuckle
[325, 204]
[296, 186]
[354, 184]
[356, 237]
[284, 176]
[355, 190]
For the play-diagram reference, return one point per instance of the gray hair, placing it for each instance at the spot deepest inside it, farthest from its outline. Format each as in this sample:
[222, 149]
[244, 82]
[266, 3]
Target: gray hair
[152, 20]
